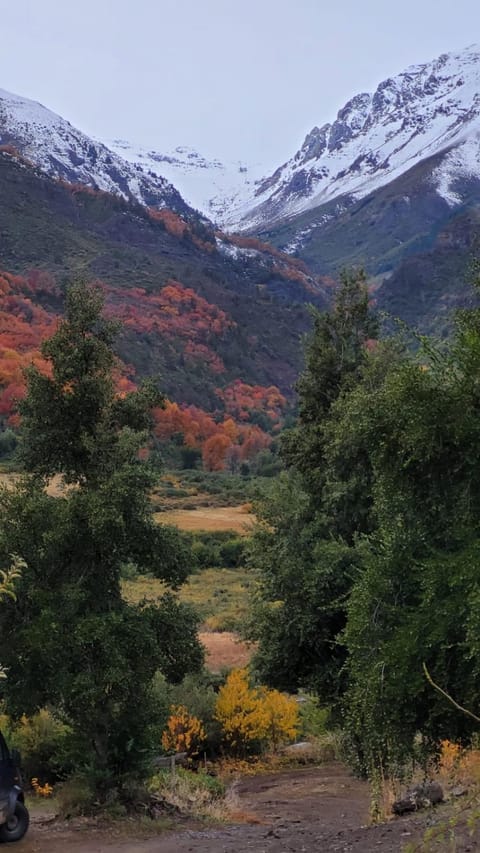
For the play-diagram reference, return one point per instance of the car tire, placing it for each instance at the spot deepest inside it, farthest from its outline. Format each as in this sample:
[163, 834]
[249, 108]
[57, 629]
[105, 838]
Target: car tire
[16, 827]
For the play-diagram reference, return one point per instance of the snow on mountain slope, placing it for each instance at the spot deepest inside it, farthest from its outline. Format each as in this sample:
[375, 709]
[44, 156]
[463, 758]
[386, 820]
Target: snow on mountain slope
[208, 185]
[376, 137]
[60, 150]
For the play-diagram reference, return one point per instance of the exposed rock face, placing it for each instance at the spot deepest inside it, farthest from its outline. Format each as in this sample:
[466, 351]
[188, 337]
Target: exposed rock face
[427, 109]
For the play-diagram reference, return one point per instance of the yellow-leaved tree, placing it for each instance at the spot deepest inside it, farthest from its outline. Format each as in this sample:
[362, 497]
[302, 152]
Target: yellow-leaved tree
[184, 732]
[250, 715]
[281, 717]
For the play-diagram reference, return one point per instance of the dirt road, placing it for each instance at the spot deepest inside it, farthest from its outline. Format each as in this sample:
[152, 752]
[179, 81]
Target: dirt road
[315, 810]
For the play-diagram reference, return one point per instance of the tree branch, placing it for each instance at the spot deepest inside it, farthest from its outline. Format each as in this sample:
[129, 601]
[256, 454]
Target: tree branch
[447, 696]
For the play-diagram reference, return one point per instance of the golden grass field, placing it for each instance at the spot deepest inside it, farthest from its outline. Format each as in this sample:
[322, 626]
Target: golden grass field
[221, 598]
[220, 595]
[211, 518]
[224, 650]
[55, 487]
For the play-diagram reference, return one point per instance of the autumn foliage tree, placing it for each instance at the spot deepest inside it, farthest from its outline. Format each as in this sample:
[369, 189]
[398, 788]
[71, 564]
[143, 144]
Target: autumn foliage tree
[250, 716]
[281, 717]
[220, 442]
[184, 732]
[173, 319]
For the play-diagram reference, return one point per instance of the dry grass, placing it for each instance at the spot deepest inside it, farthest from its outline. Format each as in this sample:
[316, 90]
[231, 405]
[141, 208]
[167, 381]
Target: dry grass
[196, 795]
[225, 650]
[236, 518]
[56, 487]
[221, 596]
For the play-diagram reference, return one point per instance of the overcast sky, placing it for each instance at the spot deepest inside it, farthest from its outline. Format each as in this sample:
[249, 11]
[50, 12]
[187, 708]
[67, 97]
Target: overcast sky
[236, 79]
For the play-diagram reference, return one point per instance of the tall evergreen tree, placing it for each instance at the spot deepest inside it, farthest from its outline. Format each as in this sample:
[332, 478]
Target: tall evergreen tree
[76, 643]
[303, 548]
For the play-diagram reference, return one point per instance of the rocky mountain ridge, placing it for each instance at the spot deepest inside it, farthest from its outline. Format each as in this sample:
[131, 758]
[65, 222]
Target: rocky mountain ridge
[201, 309]
[62, 151]
[397, 168]
[376, 137]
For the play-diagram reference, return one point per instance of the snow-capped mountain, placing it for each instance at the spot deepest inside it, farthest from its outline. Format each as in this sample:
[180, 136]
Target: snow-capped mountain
[210, 186]
[376, 137]
[428, 111]
[60, 150]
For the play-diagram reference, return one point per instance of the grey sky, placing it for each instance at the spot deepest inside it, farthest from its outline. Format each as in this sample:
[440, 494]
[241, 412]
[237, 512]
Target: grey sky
[234, 78]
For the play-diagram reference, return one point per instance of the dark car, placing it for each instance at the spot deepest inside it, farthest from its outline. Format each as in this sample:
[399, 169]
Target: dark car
[14, 818]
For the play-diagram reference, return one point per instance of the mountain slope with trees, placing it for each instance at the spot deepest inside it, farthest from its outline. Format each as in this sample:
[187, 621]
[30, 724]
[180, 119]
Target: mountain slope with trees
[198, 309]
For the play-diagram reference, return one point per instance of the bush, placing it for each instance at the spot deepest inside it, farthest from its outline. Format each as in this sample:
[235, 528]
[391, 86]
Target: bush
[205, 555]
[197, 794]
[268, 464]
[8, 443]
[190, 457]
[184, 732]
[197, 693]
[232, 553]
[129, 571]
[219, 549]
[45, 744]
[75, 797]
[252, 718]
[313, 718]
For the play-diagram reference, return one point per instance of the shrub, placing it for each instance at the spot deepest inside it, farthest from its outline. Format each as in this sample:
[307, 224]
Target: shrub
[197, 694]
[8, 443]
[184, 732]
[281, 717]
[197, 794]
[219, 548]
[129, 571]
[206, 555]
[45, 744]
[75, 797]
[313, 718]
[251, 717]
[239, 711]
[232, 553]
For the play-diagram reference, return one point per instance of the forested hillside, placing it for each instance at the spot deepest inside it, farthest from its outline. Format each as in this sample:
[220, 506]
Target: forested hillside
[70, 231]
[208, 314]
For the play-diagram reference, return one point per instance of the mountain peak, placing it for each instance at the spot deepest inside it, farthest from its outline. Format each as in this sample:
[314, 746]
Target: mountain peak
[428, 108]
[57, 148]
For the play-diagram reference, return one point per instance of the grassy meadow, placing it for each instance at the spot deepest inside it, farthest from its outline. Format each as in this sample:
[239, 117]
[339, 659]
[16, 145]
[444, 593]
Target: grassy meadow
[237, 519]
[219, 594]
[205, 505]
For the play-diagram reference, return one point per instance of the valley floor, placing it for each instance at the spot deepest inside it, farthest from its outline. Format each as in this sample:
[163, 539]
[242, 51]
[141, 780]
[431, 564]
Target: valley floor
[311, 810]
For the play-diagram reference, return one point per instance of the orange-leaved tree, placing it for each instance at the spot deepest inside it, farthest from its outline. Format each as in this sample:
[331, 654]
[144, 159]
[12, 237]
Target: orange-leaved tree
[184, 732]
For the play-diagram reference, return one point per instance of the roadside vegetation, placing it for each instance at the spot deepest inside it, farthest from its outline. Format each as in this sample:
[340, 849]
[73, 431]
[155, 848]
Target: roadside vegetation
[96, 593]
[367, 549]
[352, 576]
